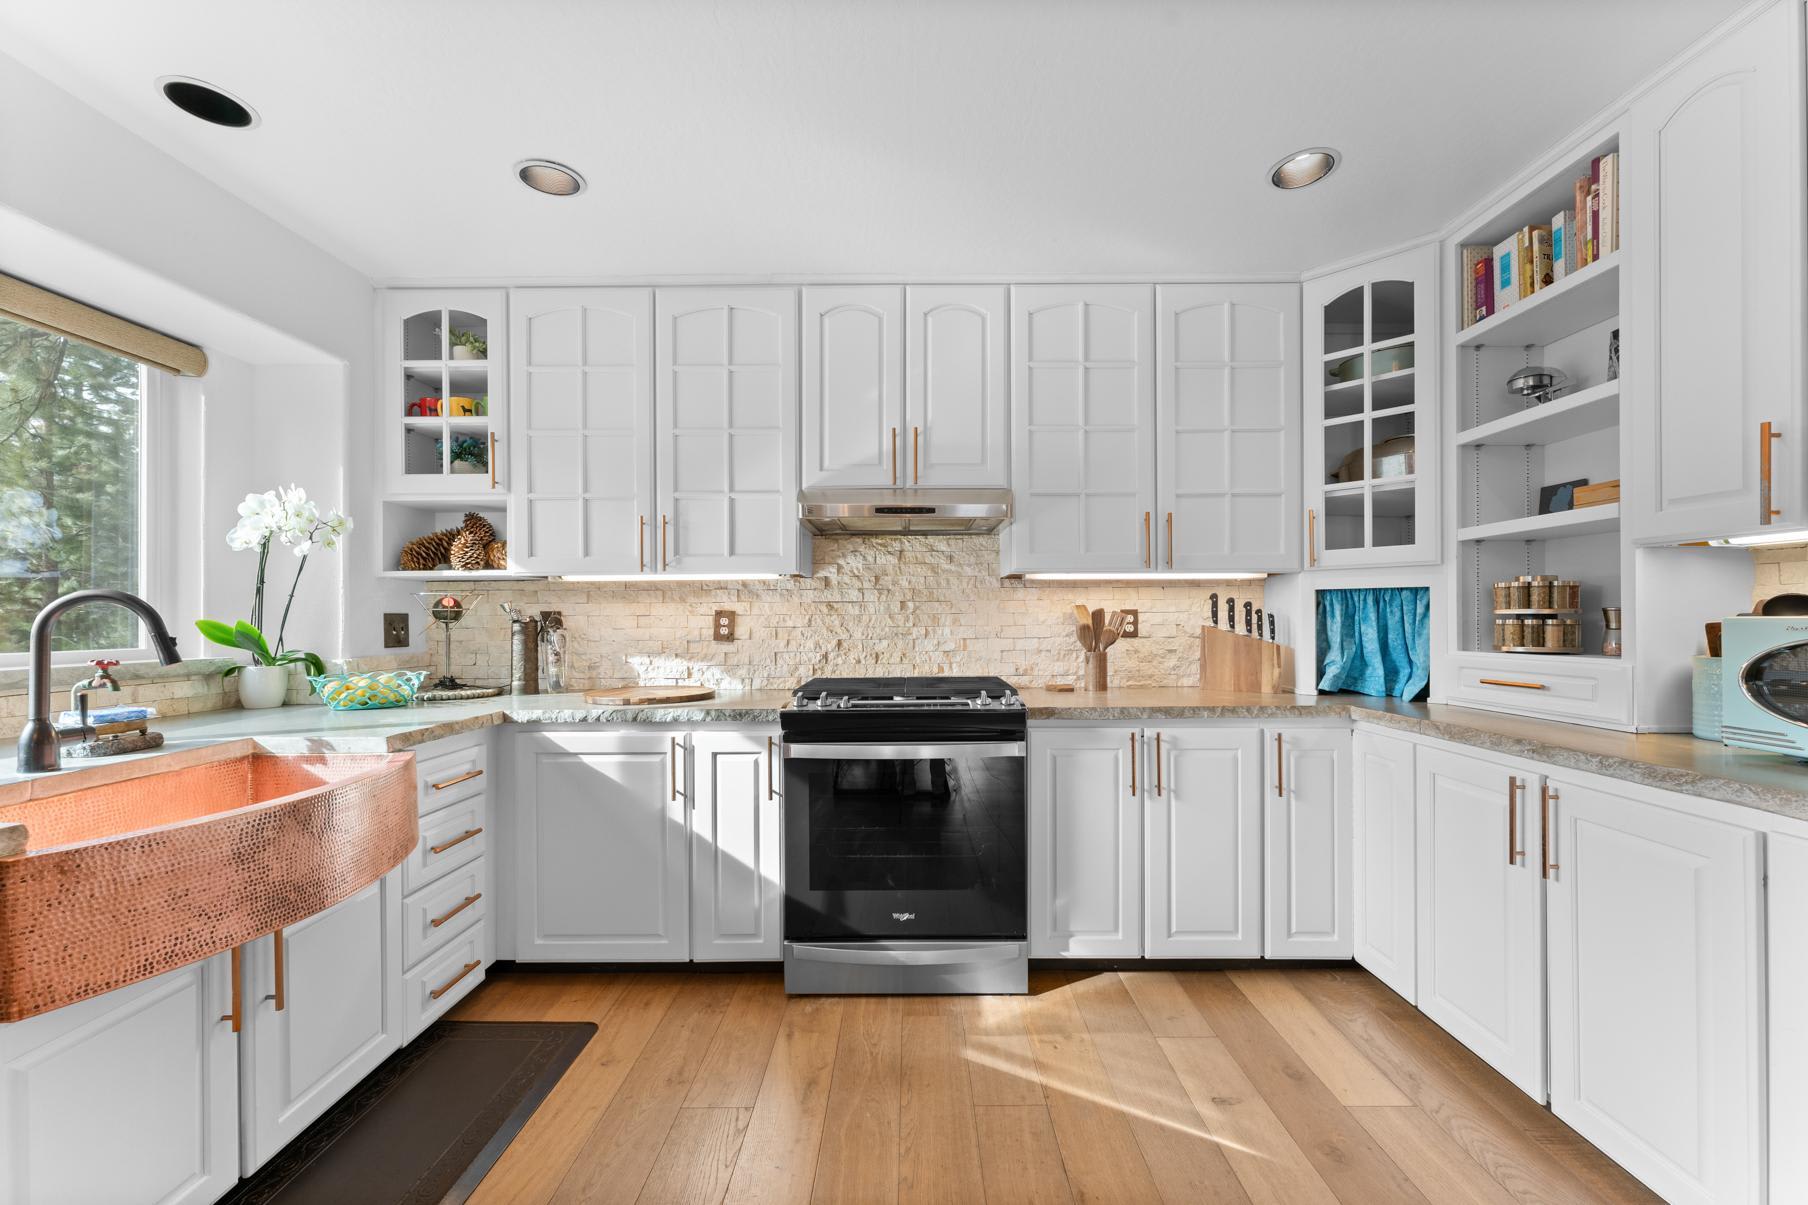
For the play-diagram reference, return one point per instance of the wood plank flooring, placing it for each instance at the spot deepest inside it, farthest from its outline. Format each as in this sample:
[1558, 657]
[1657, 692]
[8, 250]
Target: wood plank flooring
[1266, 1087]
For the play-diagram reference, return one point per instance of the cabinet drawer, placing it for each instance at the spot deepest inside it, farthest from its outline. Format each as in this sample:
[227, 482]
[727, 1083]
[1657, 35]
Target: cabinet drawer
[446, 778]
[441, 911]
[443, 980]
[1596, 692]
[450, 838]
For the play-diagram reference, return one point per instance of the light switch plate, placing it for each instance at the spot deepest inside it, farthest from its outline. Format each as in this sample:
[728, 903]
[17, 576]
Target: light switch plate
[1132, 626]
[395, 629]
[724, 625]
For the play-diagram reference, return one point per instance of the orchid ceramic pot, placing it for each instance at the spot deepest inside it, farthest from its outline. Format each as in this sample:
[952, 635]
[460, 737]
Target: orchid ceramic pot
[263, 686]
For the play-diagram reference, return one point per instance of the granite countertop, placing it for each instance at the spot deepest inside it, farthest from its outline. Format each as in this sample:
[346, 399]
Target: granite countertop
[1668, 761]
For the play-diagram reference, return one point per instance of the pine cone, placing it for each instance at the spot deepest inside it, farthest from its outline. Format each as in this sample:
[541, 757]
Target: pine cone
[497, 554]
[478, 526]
[470, 551]
[428, 552]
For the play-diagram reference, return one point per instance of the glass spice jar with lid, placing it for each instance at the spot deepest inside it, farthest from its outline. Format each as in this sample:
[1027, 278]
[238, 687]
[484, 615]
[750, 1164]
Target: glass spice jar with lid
[1572, 633]
[1511, 632]
[1503, 596]
[1539, 593]
[1553, 633]
[1521, 593]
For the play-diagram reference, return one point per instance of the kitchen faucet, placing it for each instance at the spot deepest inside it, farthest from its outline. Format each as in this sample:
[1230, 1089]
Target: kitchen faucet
[41, 741]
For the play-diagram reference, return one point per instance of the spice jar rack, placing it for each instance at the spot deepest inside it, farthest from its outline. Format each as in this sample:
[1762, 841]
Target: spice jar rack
[1537, 614]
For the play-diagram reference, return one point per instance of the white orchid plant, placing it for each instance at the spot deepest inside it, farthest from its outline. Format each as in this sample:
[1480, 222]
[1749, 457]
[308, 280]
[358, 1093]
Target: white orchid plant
[288, 518]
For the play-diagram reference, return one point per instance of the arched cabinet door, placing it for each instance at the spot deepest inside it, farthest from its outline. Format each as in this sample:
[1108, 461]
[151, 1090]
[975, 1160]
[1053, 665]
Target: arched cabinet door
[583, 432]
[1370, 414]
[444, 392]
[1227, 428]
[853, 380]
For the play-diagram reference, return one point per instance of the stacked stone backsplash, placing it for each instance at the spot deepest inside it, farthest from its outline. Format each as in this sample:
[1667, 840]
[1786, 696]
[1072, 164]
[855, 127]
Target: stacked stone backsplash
[1779, 570]
[872, 605]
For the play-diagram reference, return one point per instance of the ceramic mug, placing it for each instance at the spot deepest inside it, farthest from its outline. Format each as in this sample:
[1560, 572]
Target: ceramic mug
[427, 407]
[461, 407]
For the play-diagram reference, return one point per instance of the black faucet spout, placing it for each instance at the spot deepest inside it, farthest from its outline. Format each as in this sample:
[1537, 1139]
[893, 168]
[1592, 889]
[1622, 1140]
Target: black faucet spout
[40, 745]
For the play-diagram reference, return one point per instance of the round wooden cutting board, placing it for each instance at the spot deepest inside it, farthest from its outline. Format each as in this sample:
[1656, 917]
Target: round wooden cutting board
[634, 696]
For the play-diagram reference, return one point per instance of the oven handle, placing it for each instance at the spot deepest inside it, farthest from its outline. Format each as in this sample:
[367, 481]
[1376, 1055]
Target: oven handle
[879, 955]
[905, 752]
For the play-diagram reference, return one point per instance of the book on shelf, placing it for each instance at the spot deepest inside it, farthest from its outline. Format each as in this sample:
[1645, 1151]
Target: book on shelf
[1506, 273]
[1476, 268]
[1580, 212]
[1562, 245]
[1539, 273]
[1610, 203]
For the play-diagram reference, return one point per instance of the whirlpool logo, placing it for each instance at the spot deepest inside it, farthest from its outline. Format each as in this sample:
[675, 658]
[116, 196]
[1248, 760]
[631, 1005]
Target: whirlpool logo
[903, 916]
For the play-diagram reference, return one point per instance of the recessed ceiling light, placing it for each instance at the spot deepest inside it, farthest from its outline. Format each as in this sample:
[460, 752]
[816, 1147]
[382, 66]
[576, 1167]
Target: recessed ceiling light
[1304, 167]
[553, 179]
[198, 98]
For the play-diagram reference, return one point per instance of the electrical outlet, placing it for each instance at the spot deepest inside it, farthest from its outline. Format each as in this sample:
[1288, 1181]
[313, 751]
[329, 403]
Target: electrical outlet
[724, 625]
[395, 629]
[1132, 627]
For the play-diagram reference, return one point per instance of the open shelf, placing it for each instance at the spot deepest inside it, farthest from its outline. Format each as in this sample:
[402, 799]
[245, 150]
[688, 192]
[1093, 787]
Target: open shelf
[1594, 409]
[1579, 300]
[1588, 521]
[452, 575]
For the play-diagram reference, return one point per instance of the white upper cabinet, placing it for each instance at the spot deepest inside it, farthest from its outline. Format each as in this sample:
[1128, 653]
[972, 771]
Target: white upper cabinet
[1202, 847]
[1082, 428]
[582, 468]
[956, 392]
[853, 386]
[443, 394]
[1713, 214]
[1370, 425]
[1227, 423]
[726, 435]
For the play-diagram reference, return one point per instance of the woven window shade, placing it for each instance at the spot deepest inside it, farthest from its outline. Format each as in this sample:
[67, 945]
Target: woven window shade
[27, 303]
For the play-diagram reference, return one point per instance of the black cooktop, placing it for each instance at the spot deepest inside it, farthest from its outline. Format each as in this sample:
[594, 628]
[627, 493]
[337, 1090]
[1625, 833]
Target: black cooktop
[924, 687]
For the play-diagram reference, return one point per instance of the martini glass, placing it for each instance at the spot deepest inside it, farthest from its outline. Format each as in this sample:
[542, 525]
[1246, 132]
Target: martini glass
[446, 611]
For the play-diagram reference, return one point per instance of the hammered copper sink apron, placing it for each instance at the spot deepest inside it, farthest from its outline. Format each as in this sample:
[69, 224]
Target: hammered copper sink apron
[127, 879]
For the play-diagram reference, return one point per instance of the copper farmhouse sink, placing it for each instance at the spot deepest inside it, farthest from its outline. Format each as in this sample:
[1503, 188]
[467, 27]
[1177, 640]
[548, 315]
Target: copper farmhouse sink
[147, 872]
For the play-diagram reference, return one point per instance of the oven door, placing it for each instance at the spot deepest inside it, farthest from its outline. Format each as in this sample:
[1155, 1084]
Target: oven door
[912, 840]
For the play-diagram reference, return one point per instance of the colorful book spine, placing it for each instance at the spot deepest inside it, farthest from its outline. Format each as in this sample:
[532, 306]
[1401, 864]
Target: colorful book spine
[1506, 274]
[1528, 276]
[1559, 245]
[1542, 272]
[1472, 255]
[1481, 286]
[1580, 235]
[1610, 203]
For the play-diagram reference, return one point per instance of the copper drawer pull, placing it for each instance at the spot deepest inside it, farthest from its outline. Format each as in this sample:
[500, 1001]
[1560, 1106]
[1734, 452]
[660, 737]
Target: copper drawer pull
[451, 983]
[640, 543]
[1280, 769]
[1515, 685]
[459, 907]
[1546, 796]
[458, 840]
[1766, 433]
[769, 752]
[1133, 765]
[664, 561]
[1513, 855]
[916, 441]
[452, 782]
[1170, 539]
[281, 958]
[236, 1016]
[1158, 764]
[675, 759]
[894, 456]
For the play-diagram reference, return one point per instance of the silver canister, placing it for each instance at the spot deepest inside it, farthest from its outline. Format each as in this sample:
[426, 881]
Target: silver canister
[524, 656]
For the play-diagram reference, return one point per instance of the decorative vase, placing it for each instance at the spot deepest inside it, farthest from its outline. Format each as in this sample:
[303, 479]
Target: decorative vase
[263, 686]
[461, 352]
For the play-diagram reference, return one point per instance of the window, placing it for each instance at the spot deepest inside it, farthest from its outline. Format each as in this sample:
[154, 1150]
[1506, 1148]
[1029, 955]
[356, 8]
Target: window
[72, 497]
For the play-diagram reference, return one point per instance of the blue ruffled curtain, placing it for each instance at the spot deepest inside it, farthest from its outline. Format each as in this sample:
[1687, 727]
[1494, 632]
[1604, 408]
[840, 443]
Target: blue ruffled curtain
[1375, 642]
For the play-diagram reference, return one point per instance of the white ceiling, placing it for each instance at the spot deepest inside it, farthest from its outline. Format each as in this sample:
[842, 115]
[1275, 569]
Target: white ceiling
[843, 137]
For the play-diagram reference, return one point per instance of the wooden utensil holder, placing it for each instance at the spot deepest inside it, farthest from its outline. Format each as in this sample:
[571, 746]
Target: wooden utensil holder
[1244, 664]
[1097, 675]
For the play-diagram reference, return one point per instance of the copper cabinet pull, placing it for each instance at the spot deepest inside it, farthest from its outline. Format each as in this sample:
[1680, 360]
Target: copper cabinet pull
[492, 460]
[1547, 796]
[1311, 537]
[456, 909]
[894, 456]
[1158, 764]
[451, 983]
[1280, 769]
[280, 956]
[1170, 539]
[1512, 683]
[452, 782]
[675, 791]
[770, 792]
[1133, 765]
[640, 543]
[1148, 552]
[458, 840]
[1513, 855]
[1766, 512]
[916, 459]
[236, 1016]
[664, 563]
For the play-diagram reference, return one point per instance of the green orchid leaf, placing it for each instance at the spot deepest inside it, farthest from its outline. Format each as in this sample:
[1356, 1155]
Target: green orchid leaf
[217, 632]
[252, 641]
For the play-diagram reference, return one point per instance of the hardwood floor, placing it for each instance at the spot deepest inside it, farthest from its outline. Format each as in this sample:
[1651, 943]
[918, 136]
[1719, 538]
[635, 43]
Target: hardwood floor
[1267, 1087]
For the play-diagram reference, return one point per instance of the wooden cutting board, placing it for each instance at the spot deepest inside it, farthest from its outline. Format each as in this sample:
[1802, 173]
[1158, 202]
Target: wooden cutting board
[634, 696]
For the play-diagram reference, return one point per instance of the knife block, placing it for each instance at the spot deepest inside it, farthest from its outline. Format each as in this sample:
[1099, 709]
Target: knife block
[1242, 664]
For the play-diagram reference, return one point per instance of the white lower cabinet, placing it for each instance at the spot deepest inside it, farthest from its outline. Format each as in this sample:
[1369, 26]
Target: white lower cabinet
[1656, 991]
[319, 1014]
[1202, 844]
[600, 840]
[1383, 860]
[1481, 911]
[128, 1098]
[1306, 844]
[737, 842]
[1086, 843]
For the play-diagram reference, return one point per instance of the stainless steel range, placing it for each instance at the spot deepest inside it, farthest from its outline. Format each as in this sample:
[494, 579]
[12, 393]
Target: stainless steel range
[905, 852]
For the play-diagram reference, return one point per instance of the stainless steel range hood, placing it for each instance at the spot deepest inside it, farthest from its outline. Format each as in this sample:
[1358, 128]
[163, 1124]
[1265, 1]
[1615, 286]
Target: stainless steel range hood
[920, 512]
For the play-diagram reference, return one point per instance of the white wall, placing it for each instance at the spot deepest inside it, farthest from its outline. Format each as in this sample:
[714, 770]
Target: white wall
[155, 241]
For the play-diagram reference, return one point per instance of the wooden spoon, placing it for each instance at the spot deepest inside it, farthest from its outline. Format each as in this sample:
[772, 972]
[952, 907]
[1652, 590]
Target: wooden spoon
[1098, 627]
[1083, 626]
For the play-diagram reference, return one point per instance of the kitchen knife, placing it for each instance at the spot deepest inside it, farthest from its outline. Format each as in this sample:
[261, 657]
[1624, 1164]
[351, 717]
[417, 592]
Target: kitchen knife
[1271, 626]
[1214, 608]
[1230, 605]
[1248, 618]
[1258, 623]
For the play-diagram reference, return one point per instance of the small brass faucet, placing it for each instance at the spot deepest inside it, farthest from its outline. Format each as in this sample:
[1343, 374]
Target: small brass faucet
[101, 679]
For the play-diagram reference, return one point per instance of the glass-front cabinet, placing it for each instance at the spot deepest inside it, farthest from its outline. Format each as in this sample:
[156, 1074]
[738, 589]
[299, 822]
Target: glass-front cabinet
[445, 385]
[1371, 413]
